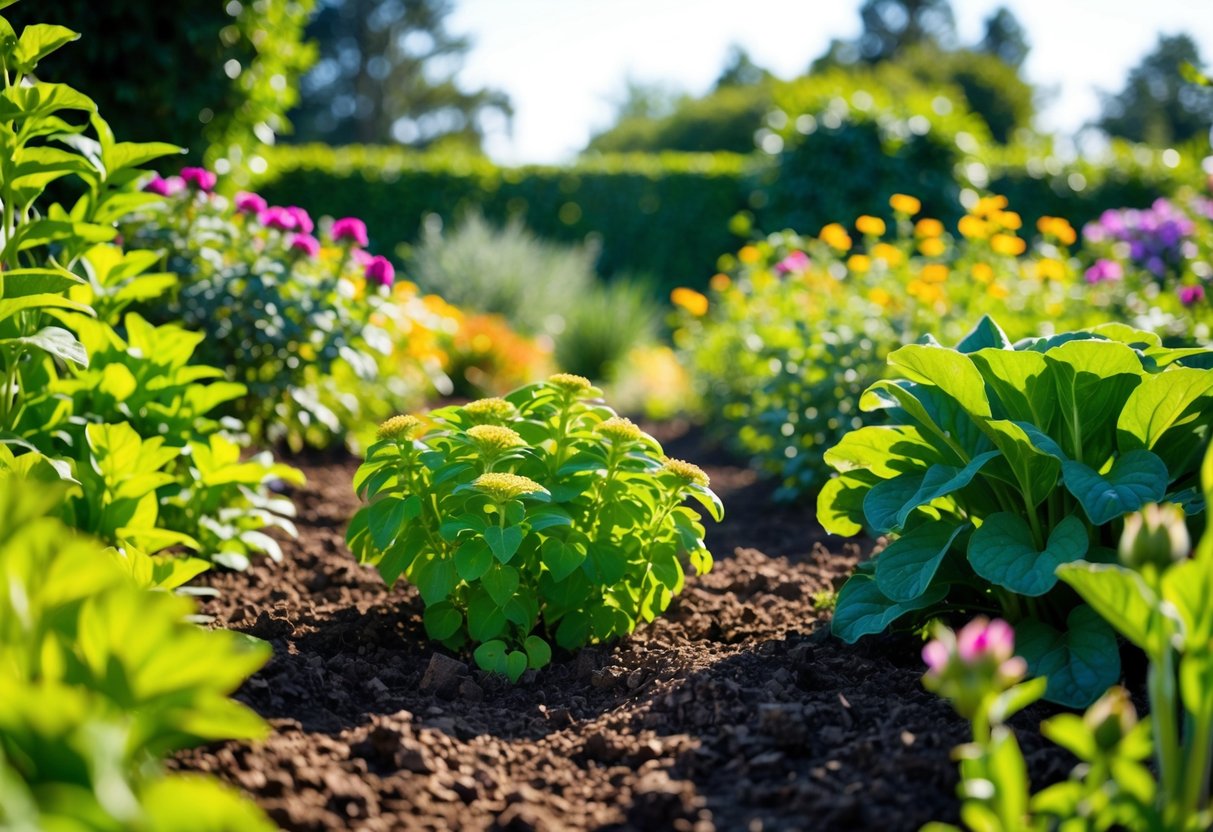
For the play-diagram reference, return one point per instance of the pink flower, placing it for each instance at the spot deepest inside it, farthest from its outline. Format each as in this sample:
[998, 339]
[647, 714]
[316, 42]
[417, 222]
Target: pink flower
[797, 261]
[980, 639]
[968, 666]
[164, 187]
[351, 230]
[247, 203]
[361, 257]
[1103, 271]
[303, 222]
[1191, 295]
[305, 244]
[278, 218]
[199, 178]
[379, 270]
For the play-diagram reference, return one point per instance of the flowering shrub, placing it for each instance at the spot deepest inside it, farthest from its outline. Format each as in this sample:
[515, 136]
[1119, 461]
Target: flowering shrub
[796, 328]
[533, 518]
[996, 464]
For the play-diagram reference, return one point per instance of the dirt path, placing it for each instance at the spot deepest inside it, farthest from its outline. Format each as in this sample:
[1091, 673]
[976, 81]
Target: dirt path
[735, 711]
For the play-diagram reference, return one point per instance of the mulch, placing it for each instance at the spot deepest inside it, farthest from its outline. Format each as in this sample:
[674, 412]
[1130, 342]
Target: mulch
[735, 711]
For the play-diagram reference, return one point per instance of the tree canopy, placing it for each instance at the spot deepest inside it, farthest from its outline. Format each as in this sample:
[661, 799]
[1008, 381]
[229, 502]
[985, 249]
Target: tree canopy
[1157, 105]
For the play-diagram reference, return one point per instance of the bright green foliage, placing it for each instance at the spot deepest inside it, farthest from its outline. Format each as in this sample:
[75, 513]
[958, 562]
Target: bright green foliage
[998, 463]
[536, 519]
[100, 679]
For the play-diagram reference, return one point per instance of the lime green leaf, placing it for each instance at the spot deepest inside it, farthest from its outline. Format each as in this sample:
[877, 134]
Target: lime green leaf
[905, 569]
[1169, 413]
[1188, 587]
[863, 610]
[39, 40]
[12, 306]
[840, 505]
[58, 342]
[1034, 470]
[952, 372]
[883, 450]
[1022, 386]
[1120, 596]
[1003, 552]
[1080, 663]
[1093, 379]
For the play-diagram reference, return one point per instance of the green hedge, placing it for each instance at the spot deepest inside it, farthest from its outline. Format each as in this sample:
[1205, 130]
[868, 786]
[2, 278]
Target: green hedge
[664, 215]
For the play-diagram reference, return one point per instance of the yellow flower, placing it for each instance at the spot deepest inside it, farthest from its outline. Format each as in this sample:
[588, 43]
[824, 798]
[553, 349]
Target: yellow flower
[1050, 269]
[859, 263]
[932, 246]
[988, 205]
[570, 383]
[690, 300]
[1007, 244]
[934, 273]
[619, 429]
[925, 292]
[890, 254]
[928, 227]
[880, 297]
[867, 224]
[905, 204]
[399, 428]
[983, 273]
[691, 473]
[502, 486]
[749, 255]
[835, 236]
[1009, 220]
[972, 228]
[720, 282]
[495, 438]
[493, 409]
[1058, 228]
[997, 290]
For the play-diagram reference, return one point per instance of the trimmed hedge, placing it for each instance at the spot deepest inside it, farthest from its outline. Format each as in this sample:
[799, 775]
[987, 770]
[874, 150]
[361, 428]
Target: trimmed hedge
[663, 215]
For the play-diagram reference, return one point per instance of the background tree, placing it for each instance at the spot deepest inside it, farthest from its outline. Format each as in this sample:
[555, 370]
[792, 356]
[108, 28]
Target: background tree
[892, 26]
[1005, 38]
[1157, 105]
[387, 74]
[740, 70]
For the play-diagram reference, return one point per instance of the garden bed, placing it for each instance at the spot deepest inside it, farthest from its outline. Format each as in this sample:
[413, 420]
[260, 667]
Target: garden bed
[736, 710]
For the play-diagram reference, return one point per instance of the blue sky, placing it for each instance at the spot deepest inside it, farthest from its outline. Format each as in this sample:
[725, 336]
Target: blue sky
[564, 61]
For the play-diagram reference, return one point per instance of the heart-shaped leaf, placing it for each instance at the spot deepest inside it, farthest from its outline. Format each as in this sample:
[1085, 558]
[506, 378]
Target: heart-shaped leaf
[503, 541]
[442, 621]
[434, 578]
[473, 559]
[940, 481]
[863, 610]
[486, 620]
[884, 501]
[491, 657]
[538, 652]
[1135, 478]
[904, 570]
[500, 582]
[515, 665]
[1003, 552]
[1080, 663]
[561, 559]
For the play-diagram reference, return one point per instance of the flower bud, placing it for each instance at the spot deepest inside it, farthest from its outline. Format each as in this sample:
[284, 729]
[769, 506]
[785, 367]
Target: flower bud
[1156, 536]
[1111, 718]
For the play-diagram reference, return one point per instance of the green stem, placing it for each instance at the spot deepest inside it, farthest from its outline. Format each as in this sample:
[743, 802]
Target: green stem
[1198, 762]
[1161, 684]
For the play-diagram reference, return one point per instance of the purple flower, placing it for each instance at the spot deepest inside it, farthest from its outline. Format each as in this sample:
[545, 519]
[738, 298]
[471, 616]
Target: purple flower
[797, 261]
[1191, 295]
[248, 203]
[278, 218]
[379, 270]
[305, 244]
[303, 222]
[350, 230]
[1104, 270]
[164, 187]
[199, 178]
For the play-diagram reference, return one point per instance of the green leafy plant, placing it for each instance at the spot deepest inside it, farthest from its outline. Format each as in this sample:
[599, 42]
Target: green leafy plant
[997, 464]
[535, 518]
[101, 679]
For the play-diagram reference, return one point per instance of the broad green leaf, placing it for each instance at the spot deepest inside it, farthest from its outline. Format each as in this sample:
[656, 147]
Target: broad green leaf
[1123, 333]
[985, 335]
[840, 504]
[486, 620]
[1003, 552]
[442, 621]
[708, 499]
[952, 372]
[472, 559]
[1195, 682]
[1071, 733]
[1022, 386]
[1169, 414]
[1093, 380]
[492, 657]
[500, 582]
[1080, 663]
[1123, 599]
[434, 576]
[58, 342]
[574, 630]
[863, 610]
[12, 306]
[1016, 698]
[387, 518]
[883, 450]
[27, 103]
[562, 559]
[538, 652]
[1135, 478]
[1188, 586]
[39, 40]
[503, 542]
[907, 566]
[942, 419]
[20, 282]
[1033, 470]
[941, 481]
[123, 155]
[884, 501]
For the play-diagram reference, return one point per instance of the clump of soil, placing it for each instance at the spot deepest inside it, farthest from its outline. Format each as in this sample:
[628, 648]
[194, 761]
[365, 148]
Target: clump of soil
[736, 710]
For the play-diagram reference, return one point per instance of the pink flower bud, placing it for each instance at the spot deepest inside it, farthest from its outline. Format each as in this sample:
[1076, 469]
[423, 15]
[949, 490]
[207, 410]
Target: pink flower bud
[379, 270]
[247, 203]
[164, 187]
[280, 219]
[797, 261]
[305, 244]
[350, 230]
[303, 222]
[199, 178]
[1191, 295]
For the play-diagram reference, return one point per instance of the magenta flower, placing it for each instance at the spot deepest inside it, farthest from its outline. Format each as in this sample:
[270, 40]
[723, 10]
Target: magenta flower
[164, 187]
[277, 218]
[982, 645]
[303, 222]
[305, 244]
[350, 230]
[797, 261]
[980, 639]
[1104, 271]
[361, 257]
[1191, 295]
[199, 178]
[248, 203]
[379, 270]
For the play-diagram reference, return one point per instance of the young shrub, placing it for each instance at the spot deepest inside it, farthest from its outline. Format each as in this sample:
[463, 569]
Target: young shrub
[604, 324]
[996, 464]
[536, 518]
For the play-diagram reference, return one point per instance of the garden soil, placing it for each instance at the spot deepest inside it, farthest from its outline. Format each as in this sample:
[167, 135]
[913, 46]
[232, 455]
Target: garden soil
[735, 711]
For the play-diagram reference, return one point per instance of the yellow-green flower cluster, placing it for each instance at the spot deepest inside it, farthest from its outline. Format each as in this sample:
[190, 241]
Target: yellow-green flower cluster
[400, 428]
[689, 472]
[570, 383]
[495, 438]
[501, 486]
[489, 410]
[619, 429]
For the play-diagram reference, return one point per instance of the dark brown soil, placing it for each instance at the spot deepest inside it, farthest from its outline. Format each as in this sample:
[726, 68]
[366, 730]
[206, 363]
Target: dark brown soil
[736, 711]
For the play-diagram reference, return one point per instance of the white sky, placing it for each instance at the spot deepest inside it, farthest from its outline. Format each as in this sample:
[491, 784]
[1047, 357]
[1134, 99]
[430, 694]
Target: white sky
[564, 61]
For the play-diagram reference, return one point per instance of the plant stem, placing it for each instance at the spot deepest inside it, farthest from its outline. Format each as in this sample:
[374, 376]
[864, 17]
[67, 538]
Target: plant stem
[1161, 684]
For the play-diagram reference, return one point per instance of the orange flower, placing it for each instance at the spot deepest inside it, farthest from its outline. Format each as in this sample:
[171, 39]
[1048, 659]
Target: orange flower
[934, 273]
[867, 224]
[890, 254]
[835, 236]
[972, 228]
[928, 227]
[983, 273]
[880, 297]
[932, 247]
[988, 205]
[749, 255]
[1009, 220]
[719, 282]
[905, 204]
[859, 263]
[1057, 228]
[1007, 244]
[690, 300]
[997, 290]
